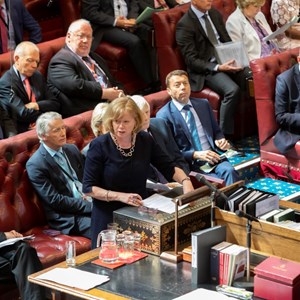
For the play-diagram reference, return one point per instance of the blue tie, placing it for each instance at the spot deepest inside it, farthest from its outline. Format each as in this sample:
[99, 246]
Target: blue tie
[193, 129]
[70, 174]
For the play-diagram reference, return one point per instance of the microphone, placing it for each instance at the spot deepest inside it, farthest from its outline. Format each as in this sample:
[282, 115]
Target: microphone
[49, 3]
[242, 214]
[203, 180]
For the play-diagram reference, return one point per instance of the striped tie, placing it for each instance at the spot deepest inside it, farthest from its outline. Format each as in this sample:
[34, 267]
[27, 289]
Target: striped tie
[193, 129]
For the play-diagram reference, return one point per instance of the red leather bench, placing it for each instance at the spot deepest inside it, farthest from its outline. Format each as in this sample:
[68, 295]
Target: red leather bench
[20, 208]
[273, 163]
[55, 17]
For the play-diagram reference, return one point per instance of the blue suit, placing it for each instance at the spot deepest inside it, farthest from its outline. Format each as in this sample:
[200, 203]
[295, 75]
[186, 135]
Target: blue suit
[287, 109]
[183, 138]
[64, 212]
[22, 20]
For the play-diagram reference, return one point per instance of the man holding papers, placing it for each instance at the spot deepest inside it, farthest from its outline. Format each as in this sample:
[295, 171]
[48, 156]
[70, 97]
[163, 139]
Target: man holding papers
[197, 34]
[20, 260]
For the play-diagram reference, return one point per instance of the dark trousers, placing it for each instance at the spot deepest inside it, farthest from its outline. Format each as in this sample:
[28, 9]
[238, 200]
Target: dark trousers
[224, 85]
[137, 52]
[21, 260]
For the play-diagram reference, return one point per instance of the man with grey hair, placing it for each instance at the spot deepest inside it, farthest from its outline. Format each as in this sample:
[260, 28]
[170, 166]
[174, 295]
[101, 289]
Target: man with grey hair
[23, 90]
[162, 135]
[55, 171]
[80, 79]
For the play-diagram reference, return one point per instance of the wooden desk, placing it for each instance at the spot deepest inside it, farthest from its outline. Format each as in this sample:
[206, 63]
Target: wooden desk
[90, 294]
[147, 279]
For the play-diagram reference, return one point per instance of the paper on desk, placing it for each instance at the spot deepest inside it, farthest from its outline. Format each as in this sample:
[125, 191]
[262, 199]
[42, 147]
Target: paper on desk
[14, 240]
[203, 294]
[74, 278]
[161, 203]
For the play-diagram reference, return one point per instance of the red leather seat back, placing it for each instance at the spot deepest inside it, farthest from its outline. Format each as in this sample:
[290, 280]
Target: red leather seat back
[265, 71]
[20, 208]
[169, 56]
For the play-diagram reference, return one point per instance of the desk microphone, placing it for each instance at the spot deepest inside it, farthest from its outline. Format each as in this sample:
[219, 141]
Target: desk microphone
[203, 180]
[242, 214]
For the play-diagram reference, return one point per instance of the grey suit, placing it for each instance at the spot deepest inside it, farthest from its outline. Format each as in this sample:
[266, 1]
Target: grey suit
[287, 109]
[64, 212]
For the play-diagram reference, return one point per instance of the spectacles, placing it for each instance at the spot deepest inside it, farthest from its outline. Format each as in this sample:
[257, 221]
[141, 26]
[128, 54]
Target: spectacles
[83, 37]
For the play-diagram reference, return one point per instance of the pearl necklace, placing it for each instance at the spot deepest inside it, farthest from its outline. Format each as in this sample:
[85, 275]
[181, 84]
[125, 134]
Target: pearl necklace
[131, 150]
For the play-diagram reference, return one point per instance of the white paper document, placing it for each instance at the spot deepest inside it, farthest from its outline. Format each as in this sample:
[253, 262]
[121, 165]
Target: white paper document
[232, 50]
[14, 240]
[203, 294]
[281, 29]
[74, 278]
[161, 203]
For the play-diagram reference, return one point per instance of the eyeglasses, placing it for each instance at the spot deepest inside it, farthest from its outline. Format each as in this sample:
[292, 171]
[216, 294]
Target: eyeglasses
[83, 37]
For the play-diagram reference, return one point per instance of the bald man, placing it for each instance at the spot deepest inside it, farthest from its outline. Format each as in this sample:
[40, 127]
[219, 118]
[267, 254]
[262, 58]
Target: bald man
[23, 90]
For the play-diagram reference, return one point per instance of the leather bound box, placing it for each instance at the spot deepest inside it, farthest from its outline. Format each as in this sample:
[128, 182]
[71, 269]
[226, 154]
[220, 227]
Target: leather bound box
[277, 279]
[157, 228]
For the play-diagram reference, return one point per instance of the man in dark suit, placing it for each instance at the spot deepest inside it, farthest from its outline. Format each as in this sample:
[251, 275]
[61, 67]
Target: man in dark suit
[15, 18]
[210, 138]
[287, 108]
[24, 103]
[114, 21]
[20, 260]
[162, 135]
[78, 79]
[197, 48]
[55, 171]
[7, 126]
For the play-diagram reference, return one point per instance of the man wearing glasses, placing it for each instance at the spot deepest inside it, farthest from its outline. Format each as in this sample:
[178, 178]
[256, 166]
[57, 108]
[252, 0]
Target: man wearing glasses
[78, 78]
[23, 90]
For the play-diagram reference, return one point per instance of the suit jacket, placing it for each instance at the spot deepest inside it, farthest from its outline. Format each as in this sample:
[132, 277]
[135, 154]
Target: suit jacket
[179, 128]
[73, 84]
[287, 109]
[101, 14]
[13, 98]
[162, 135]
[240, 29]
[23, 20]
[195, 46]
[7, 124]
[53, 189]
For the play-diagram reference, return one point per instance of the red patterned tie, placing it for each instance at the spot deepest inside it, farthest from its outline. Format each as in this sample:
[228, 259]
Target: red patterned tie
[160, 3]
[28, 89]
[3, 29]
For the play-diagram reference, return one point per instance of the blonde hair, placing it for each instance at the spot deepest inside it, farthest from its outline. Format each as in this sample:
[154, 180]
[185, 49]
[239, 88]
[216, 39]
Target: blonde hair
[117, 108]
[97, 118]
[245, 3]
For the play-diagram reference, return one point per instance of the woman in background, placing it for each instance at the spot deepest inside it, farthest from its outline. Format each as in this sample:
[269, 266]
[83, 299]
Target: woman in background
[249, 25]
[96, 123]
[282, 11]
[118, 162]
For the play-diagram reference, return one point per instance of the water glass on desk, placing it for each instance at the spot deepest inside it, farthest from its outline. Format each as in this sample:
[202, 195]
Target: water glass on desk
[70, 253]
[137, 241]
[128, 244]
